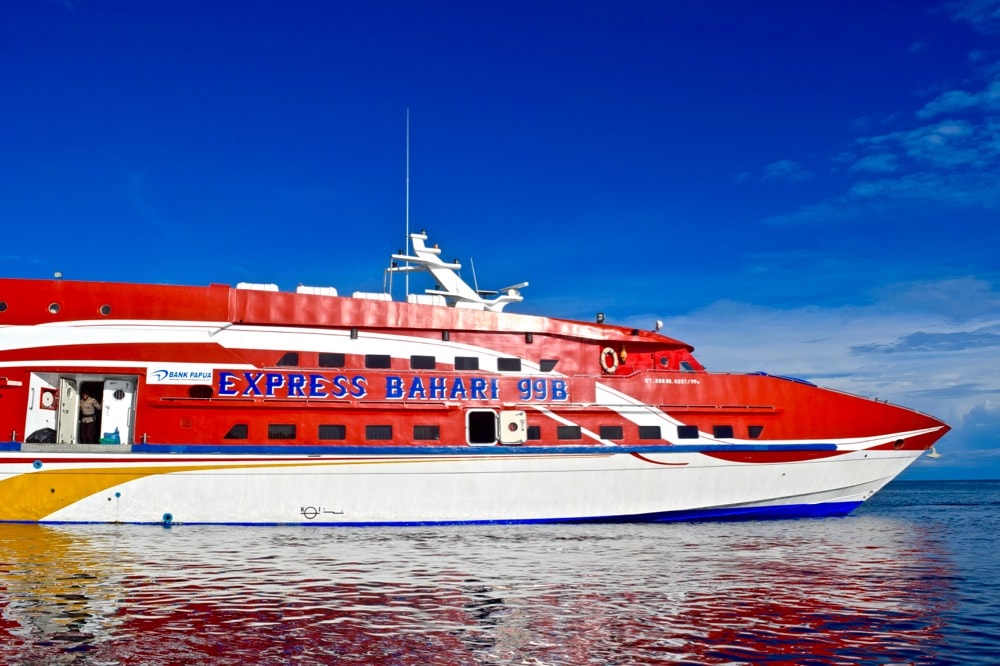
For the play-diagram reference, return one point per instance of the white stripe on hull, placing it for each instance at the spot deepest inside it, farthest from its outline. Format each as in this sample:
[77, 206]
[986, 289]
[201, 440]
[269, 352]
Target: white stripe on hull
[445, 488]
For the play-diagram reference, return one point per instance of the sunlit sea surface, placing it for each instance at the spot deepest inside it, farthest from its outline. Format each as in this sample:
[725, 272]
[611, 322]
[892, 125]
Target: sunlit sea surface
[910, 578]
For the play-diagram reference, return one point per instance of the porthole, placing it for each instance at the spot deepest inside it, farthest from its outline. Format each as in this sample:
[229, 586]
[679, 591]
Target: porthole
[105, 310]
[53, 308]
[3, 306]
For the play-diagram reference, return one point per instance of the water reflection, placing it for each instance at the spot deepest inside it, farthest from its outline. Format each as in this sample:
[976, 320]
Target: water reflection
[860, 589]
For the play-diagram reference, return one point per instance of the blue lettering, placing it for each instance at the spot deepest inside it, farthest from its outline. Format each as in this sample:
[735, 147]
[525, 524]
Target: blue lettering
[226, 380]
[274, 381]
[340, 386]
[295, 384]
[252, 387]
[417, 389]
[559, 390]
[316, 386]
[438, 387]
[524, 388]
[478, 388]
[359, 387]
[393, 387]
[540, 389]
[458, 389]
[495, 389]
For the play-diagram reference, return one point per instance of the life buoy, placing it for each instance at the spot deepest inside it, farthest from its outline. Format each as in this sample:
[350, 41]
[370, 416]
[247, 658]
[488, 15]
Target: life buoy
[49, 399]
[609, 360]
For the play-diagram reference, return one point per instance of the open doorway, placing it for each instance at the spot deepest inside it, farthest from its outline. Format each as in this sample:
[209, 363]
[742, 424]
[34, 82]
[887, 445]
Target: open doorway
[91, 395]
[77, 408]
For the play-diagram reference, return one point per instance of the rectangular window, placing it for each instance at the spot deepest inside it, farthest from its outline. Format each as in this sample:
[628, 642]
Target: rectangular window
[328, 432]
[754, 431]
[534, 432]
[547, 364]
[722, 431]
[331, 360]
[378, 432]
[238, 431]
[378, 361]
[568, 432]
[649, 432]
[427, 432]
[687, 432]
[509, 364]
[612, 432]
[422, 363]
[281, 431]
[466, 362]
[289, 360]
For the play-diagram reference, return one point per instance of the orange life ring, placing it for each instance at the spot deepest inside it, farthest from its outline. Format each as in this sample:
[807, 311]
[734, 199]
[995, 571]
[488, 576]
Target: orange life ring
[609, 360]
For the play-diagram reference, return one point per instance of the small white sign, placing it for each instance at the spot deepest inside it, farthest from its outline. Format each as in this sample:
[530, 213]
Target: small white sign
[178, 373]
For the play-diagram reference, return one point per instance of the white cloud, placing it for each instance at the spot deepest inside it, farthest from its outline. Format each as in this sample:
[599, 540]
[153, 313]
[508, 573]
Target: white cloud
[983, 15]
[955, 101]
[883, 163]
[952, 162]
[786, 170]
[943, 145]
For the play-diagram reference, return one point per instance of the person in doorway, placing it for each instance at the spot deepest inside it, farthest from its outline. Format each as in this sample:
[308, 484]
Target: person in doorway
[89, 409]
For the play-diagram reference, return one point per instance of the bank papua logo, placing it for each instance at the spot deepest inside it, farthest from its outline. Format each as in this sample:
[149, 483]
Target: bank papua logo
[186, 375]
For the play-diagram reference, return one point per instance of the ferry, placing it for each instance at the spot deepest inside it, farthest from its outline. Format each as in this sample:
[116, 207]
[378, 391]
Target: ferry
[247, 405]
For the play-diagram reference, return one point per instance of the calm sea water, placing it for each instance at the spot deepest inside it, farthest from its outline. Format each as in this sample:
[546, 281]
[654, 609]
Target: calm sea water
[911, 578]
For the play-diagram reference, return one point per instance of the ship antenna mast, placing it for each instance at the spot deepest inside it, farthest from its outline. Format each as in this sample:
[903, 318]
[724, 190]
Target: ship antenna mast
[407, 198]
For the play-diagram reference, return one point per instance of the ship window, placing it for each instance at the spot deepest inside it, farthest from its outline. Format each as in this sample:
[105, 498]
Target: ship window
[3, 306]
[378, 361]
[423, 362]
[466, 362]
[333, 432]
[427, 432]
[200, 392]
[378, 432]
[687, 432]
[547, 364]
[612, 432]
[649, 432]
[664, 361]
[281, 431]
[331, 360]
[686, 367]
[289, 360]
[534, 432]
[238, 431]
[754, 431]
[722, 431]
[105, 310]
[568, 432]
[509, 364]
[53, 308]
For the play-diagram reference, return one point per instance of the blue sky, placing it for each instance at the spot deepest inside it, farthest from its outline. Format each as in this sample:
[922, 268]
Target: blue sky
[803, 188]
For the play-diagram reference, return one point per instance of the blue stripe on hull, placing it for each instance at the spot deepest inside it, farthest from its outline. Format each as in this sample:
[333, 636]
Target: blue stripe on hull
[420, 450]
[785, 512]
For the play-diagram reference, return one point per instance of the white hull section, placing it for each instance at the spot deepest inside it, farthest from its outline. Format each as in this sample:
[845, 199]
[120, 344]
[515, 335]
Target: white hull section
[394, 489]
